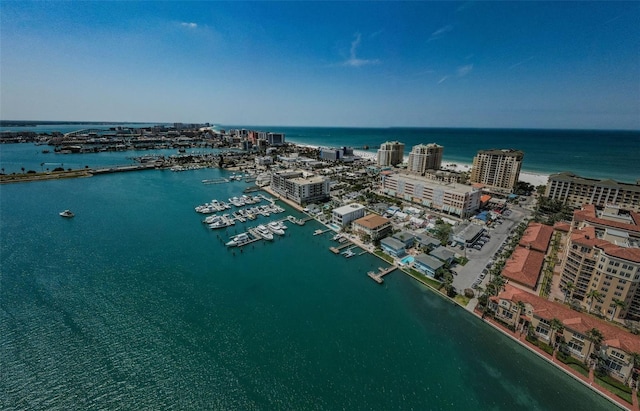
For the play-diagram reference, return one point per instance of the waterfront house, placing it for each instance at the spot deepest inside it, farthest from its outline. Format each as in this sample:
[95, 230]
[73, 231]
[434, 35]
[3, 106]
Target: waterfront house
[427, 264]
[405, 237]
[524, 267]
[373, 225]
[393, 247]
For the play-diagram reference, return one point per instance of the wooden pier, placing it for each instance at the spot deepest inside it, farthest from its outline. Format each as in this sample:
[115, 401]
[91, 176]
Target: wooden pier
[215, 181]
[381, 273]
[336, 250]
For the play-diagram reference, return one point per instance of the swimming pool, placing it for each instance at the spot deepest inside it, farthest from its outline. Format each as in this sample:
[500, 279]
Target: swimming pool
[407, 260]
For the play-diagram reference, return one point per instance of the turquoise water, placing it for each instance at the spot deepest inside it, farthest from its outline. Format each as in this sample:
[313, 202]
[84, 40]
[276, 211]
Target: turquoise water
[589, 153]
[135, 304]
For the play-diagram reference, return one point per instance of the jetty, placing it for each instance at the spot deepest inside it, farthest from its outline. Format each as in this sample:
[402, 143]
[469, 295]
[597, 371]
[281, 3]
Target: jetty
[336, 250]
[319, 232]
[377, 277]
[215, 181]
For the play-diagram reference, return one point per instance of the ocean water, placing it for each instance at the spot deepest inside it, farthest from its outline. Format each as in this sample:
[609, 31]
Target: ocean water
[589, 153]
[135, 304]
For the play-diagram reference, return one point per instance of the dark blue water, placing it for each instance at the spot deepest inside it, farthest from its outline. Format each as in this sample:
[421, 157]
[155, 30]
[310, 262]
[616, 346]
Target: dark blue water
[135, 304]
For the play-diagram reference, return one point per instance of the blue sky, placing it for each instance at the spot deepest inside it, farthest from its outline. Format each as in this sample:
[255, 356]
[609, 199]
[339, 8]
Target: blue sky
[379, 64]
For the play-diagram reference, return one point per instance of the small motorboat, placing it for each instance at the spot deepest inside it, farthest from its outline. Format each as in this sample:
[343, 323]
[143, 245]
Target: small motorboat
[67, 214]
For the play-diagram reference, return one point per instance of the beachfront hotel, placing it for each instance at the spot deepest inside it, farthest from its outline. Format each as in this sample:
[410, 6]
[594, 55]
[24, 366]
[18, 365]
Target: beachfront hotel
[575, 191]
[522, 310]
[602, 256]
[497, 168]
[390, 154]
[425, 157]
[300, 187]
[451, 198]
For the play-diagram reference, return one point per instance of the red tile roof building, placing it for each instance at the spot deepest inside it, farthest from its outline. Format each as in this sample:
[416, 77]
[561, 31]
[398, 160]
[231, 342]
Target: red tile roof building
[526, 262]
[617, 344]
[602, 254]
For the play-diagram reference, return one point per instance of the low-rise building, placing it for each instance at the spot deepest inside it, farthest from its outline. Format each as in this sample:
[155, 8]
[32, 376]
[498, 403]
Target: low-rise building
[443, 254]
[264, 160]
[467, 234]
[393, 247]
[525, 311]
[427, 264]
[373, 225]
[344, 215]
[406, 237]
[427, 242]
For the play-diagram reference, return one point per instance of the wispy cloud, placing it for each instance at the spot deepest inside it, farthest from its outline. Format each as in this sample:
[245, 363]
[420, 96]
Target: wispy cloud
[511, 67]
[460, 72]
[464, 70]
[353, 60]
[440, 32]
[189, 25]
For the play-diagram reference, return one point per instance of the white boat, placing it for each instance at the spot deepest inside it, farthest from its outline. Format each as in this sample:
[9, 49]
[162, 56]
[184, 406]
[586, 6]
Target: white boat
[348, 253]
[218, 222]
[275, 228]
[264, 232]
[67, 214]
[239, 240]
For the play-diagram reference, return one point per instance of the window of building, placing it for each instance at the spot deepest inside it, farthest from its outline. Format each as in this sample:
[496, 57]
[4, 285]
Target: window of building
[542, 330]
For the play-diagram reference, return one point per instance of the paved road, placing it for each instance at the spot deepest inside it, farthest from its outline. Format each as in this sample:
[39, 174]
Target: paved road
[478, 259]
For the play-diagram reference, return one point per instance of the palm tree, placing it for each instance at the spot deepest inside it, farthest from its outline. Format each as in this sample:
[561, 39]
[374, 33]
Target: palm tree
[556, 326]
[617, 303]
[568, 290]
[593, 294]
[521, 308]
[595, 338]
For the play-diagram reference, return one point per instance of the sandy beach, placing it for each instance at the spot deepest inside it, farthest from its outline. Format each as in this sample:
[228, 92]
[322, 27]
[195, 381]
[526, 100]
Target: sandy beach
[535, 179]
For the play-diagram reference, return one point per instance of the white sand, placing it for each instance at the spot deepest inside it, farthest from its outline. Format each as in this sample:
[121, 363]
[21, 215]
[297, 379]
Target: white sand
[534, 179]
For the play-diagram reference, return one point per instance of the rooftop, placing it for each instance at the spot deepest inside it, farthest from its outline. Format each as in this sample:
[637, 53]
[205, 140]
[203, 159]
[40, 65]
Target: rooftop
[372, 221]
[524, 267]
[537, 237]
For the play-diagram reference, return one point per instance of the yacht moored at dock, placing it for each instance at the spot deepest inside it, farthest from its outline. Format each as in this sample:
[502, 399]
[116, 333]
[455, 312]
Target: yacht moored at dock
[275, 228]
[264, 232]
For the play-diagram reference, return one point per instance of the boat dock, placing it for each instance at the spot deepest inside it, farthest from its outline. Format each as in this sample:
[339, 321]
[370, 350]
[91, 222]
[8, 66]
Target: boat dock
[122, 168]
[381, 273]
[215, 181]
[319, 232]
[336, 250]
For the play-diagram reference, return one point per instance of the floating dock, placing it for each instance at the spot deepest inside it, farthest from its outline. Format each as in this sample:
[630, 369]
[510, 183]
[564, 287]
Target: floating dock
[336, 250]
[381, 273]
[215, 181]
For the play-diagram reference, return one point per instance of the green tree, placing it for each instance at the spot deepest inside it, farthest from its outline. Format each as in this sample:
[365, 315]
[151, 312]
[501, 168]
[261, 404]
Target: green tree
[568, 290]
[521, 308]
[593, 295]
[617, 303]
[556, 326]
[595, 338]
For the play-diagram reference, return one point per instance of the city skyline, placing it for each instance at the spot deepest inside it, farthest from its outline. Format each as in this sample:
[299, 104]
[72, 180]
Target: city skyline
[362, 64]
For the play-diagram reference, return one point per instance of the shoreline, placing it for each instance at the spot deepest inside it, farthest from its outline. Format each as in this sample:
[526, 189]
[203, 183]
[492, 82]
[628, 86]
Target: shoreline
[533, 178]
[471, 309]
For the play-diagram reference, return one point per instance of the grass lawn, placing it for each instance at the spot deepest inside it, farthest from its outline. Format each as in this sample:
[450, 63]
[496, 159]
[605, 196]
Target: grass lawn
[419, 276]
[384, 256]
[617, 391]
[580, 369]
[462, 300]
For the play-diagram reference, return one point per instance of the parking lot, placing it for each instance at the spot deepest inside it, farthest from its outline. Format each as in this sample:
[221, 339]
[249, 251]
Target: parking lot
[478, 259]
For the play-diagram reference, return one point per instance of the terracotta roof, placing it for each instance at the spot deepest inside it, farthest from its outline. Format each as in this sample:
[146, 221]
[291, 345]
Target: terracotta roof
[484, 198]
[537, 237]
[587, 237]
[524, 266]
[574, 320]
[371, 221]
[588, 213]
[562, 226]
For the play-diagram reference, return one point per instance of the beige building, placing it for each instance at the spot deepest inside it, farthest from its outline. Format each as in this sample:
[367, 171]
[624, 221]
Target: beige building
[575, 191]
[425, 157]
[300, 187]
[524, 311]
[455, 199]
[390, 153]
[602, 254]
[497, 168]
[373, 225]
